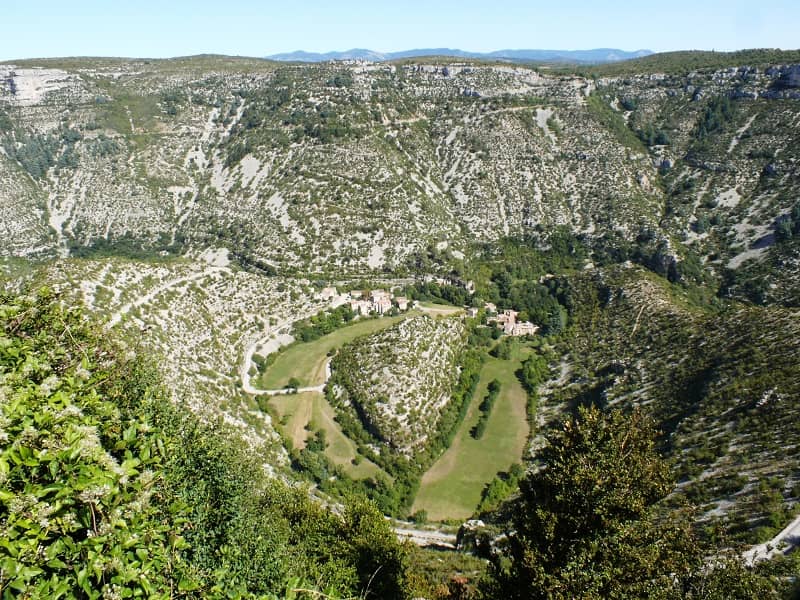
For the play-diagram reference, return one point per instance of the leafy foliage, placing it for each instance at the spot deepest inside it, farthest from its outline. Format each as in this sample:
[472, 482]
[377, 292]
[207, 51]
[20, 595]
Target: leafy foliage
[109, 490]
[612, 121]
[6, 124]
[103, 146]
[322, 323]
[432, 291]
[652, 136]
[720, 110]
[443, 575]
[691, 60]
[584, 525]
[486, 405]
[500, 488]
[129, 246]
[517, 276]
[79, 468]
[535, 370]
[36, 153]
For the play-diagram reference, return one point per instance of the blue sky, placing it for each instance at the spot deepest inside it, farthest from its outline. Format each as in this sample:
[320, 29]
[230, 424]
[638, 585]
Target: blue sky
[148, 28]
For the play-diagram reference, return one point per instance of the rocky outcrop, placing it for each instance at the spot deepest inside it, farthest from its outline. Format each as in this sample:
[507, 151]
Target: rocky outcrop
[400, 380]
[789, 77]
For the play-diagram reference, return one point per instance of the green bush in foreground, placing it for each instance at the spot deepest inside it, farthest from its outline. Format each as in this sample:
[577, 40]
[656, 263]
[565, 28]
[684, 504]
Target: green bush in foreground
[584, 526]
[107, 490]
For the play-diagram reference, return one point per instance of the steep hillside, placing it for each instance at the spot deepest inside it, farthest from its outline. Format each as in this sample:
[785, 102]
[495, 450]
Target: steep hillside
[728, 151]
[722, 385]
[655, 201]
[399, 381]
[357, 166]
[198, 319]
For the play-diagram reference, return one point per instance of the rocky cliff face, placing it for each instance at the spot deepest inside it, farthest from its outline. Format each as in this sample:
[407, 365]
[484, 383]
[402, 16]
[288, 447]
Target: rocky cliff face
[357, 166]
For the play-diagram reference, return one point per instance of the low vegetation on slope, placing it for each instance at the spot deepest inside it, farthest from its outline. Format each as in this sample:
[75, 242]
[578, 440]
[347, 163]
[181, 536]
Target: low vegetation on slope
[682, 61]
[721, 383]
[399, 381]
[108, 490]
[330, 167]
[195, 318]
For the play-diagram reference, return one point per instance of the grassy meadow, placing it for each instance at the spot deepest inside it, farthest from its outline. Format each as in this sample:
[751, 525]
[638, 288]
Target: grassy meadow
[306, 361]
[300, 415]
[451, 488]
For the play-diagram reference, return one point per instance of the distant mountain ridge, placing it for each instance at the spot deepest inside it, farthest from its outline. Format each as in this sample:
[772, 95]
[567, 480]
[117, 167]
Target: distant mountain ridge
[596, 55]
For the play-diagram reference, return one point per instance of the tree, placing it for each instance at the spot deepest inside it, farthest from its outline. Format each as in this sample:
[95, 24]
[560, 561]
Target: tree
[783, 230]
[585, 525]
[534, 371]
[795, 218]
[556, 320]
[702, 224]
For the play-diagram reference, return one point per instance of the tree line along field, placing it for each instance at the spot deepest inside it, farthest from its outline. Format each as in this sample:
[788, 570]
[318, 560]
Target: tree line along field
[451, 488]
[301, 415]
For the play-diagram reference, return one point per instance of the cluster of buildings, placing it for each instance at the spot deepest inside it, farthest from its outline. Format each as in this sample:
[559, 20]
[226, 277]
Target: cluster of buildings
[381, 302]
[376, 301]
[364, 303]
[506, 320]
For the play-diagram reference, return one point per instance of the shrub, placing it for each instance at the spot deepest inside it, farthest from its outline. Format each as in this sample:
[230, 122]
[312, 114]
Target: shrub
[110, 489]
